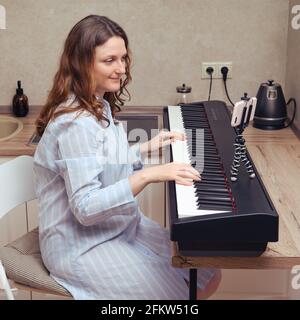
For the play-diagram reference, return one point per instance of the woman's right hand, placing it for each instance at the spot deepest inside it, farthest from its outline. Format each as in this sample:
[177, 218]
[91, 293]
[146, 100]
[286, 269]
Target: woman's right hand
[181, 173]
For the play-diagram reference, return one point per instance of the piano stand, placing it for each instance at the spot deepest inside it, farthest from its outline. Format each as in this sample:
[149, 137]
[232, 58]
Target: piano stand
[240, 155]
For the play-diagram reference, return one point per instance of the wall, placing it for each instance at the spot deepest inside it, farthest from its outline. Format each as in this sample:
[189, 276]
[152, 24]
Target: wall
[169, 40]
[293, 64]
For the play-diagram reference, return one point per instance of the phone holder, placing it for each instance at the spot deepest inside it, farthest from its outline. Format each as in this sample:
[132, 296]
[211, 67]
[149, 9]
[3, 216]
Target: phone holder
[243, 113]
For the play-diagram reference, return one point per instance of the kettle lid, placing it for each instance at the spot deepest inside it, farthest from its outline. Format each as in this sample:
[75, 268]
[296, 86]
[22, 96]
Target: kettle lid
[270, 83]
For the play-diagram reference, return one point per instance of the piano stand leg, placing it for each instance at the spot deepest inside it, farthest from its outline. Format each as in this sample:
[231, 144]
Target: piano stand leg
[193, 284]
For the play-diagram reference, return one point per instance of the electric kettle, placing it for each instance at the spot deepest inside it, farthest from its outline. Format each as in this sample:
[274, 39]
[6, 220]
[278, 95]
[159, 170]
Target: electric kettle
[271, 108]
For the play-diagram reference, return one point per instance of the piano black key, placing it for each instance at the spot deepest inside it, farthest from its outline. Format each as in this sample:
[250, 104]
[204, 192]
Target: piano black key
[216, 184]
[210, 176]
[205, 188]
[213, 197]
[209, 171]
[212, 166]
[208, 157]
[214, 207]
[215, 203]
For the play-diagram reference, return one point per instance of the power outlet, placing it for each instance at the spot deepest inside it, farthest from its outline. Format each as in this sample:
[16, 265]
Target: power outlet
[217, 66]
[225, 64]
[206, 65]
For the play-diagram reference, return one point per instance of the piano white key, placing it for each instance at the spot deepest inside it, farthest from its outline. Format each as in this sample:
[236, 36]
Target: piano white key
[186, 197]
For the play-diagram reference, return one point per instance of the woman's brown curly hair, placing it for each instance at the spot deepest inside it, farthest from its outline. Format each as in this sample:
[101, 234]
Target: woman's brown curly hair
[75, 72]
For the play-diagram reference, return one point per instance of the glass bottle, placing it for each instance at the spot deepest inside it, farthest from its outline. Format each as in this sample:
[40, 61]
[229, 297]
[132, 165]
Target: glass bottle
[20, 102]
[183, 93]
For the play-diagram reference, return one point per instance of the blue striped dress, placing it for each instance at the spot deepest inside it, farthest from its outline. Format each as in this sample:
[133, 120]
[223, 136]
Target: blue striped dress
[94, 239]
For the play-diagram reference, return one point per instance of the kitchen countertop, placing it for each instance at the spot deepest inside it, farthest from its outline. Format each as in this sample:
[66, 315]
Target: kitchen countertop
[19, 145]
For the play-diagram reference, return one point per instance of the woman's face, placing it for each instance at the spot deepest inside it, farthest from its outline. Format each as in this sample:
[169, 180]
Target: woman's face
[109, 65]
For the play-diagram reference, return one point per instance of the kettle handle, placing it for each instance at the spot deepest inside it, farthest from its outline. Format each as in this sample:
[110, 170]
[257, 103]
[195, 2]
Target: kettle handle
[294, 112]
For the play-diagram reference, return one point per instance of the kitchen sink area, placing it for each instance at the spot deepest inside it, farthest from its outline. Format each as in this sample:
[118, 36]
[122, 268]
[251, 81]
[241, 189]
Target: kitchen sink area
[9, 127]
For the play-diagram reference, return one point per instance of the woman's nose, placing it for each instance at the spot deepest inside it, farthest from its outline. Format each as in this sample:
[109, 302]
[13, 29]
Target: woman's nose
[121, 67]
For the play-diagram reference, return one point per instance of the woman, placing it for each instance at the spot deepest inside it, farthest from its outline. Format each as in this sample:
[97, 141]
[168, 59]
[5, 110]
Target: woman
[94, 239]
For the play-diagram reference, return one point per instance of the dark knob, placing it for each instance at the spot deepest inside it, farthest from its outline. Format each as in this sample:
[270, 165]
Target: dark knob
[184, 89]
[245, 97]
[270, 82]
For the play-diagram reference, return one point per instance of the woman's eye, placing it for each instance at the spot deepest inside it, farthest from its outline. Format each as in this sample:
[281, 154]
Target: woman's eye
[108, 61]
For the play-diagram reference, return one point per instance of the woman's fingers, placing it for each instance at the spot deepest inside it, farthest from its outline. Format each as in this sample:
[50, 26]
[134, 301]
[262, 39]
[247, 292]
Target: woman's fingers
[184, 182]
[189, 175]
[189, 169]
[187, 172]
[165, 138]
[166, 142]
[172, 135]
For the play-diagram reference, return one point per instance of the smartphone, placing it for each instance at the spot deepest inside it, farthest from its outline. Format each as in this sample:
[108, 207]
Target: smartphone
[241, 107]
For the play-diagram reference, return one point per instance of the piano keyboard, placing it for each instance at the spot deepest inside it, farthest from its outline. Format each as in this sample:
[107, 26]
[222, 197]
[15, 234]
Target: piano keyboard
[215, 216]
[212, 192]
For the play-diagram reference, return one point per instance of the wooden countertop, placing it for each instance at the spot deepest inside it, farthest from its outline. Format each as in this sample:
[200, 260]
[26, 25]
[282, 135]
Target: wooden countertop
[276, 155]
[19, 145]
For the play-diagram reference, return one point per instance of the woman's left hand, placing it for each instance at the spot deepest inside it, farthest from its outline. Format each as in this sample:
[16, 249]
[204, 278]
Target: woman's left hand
[164, 138]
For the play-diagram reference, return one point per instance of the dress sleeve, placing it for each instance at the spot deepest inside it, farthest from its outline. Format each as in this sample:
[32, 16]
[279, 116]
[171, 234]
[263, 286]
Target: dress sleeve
[78, 163]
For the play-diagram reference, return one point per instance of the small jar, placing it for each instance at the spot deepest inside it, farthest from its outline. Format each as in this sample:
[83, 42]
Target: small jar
[183, 93]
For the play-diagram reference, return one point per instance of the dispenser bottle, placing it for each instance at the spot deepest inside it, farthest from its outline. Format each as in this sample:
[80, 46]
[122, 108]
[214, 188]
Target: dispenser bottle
[20, 102]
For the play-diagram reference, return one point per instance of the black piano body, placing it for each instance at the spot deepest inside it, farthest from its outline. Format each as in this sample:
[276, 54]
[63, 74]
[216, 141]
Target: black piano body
[247, 229]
